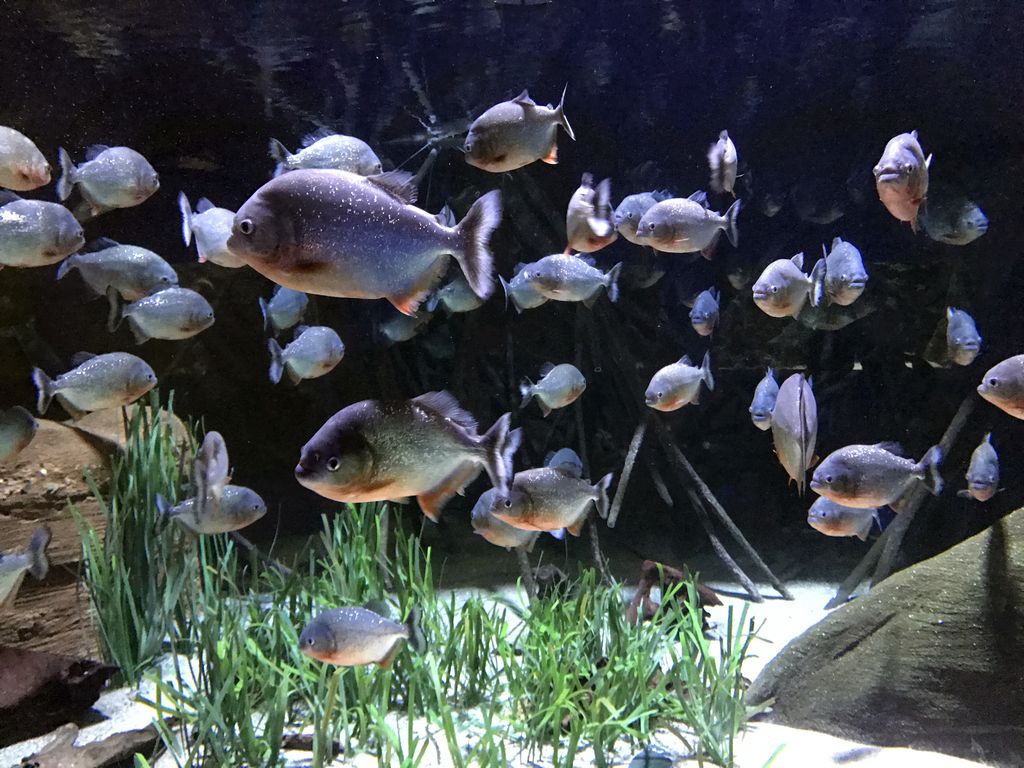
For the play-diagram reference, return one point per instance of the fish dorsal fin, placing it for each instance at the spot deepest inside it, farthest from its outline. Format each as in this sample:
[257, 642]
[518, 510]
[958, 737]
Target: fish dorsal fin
[798, 259]
[79, 358]
[6, 196]
[988, 438]
[100, 244]
[928, 161]
[724, 136]
[685, 360]
[399, 184]
[662, 194]
[445, 404]
[95, 150]
[380, 607]
[299, 330]
[313, 137]
[546, 369]
[587, 259]
[700, 197]
[587, 180]
[950, 311]
[204, 205]
[837, 240]
[891, 446]
[524, 99]
[518, 267]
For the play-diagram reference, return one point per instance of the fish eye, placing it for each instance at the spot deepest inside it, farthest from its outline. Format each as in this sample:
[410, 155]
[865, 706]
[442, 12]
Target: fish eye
[660, 395]
[775, 289]
[310, 642]
[508, 503]
[828, 479]
[651, 226]
[333, 464]
[629, 215]
[993, 382]
[246, 227]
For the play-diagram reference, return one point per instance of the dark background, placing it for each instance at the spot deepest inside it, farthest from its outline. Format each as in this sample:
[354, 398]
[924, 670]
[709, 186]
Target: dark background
[810, 93]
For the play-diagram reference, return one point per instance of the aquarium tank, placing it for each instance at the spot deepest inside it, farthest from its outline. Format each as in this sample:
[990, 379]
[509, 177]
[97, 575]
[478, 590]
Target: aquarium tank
[511, 383]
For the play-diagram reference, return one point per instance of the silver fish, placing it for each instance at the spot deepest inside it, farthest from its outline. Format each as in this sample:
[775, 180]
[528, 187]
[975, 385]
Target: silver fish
[327, 150]
[839, 277]
[561, 277]
[498, 532]
[426, 447]
[765, 394]
[559, 386]
[314, 352]
[284, 310]
[211, 472]
[111, 177]
[211, 227]
[520, 292]
[550, 499]
[963, 342]
[349, 637]
[334, 233]
[678, 384]
[22, 165]
[953, 220]
[632, 208]
[983, 472]
[874, 475]
[1003, 386]
[704, 315]
[723, 161]
[103, 381]
[833, 519]
[133, 271]
[795, 428]
[14, 566]
[588, 219]
[171, 314]
[455, 297]
[237, 508]
[17, 428]
[783, 288]
[35, 233]
[396, 327]
[685, 225]
[515, 133]
[901, 177]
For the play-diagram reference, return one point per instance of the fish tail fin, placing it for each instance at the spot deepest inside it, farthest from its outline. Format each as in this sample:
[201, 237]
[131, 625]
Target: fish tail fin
[525, 391]
[265, 309]
[500, 444]
[508, 293]
[560, 114]
[417, 641]
[730, 224]
[612, 282]
[39, 564]
[276, 360]
[818, 273]
[473, 234]
[705, 372]
[280, 154]
[186, 218]
[602, 495]
[66, 266]
[68, 174]
[116, 314]
[44, 388]
[601, 222]
[163, 506]
[929, 467]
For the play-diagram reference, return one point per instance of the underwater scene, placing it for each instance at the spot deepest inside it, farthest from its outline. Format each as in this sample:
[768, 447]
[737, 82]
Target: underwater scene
[511, 383]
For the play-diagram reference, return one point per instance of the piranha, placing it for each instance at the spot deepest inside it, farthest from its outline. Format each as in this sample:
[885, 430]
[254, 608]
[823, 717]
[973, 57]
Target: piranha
[323, 149]
[133, 271]
[35, 233]
[559, 386]
[314, 352]
[284, 310]
[833, 519]
[795, 428]
[678, 384]
[335, 233]
[723, 161]
[765, 394]
[396, 327]
[455, 297]
[211, 470]
[171, 314]
[901, 177]
[839, 277]
[22, 165]
[983, 472]
[349, 637]
[520, 292]
[963, 342]
[14, 566]
[211, 227]
[237, 508]
[111, 177]
[783, 288]
[17, 428]
[498, 532]
[704, 315]
[686, 225]
[515, 133]
[1003, 386]
[561, 277]
[632, 208]
[426, 447]
[865, 476]
[98, 382]
[952, 219]
[589, 225]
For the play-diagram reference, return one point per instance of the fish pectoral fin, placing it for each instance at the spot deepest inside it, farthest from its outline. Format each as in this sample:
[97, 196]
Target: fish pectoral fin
[433, 501]
[551, 158]
[409, 301]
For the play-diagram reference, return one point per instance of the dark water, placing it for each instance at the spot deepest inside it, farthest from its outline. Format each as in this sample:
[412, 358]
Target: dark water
[810, 93]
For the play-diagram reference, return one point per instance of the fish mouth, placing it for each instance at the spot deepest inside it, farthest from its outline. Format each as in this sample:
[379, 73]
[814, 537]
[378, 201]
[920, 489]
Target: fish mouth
[760, 294]
[888, 174]
[857, 283]
[816, 484]
[970, 346]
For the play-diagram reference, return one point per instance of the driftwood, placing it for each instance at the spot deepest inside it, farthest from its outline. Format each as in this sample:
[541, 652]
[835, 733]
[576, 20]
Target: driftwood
[654, 574]
[113, 750]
